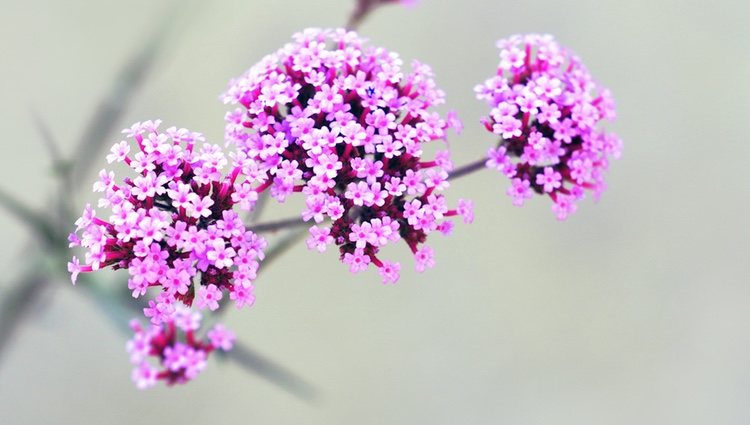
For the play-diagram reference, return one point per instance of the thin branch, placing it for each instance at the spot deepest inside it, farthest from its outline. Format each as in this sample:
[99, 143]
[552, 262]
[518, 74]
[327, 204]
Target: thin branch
[124, 87]
[467, 169]
[16, 305]
[363, 9]
[260, 205]
[272, 254]
[61, 167]
[38, 223]
[249, 359]
[273, 226]
[283, 245]
[50, 142]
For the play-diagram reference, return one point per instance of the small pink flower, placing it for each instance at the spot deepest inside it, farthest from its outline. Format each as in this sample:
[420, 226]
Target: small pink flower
[200, 207]
[221, 256]
[519, 191]
[319, 238]
[389, 272]
[357, 261]
[549, 180]
[425, 258]
[221, 337]
[208, 297]
[242, 296]
[74, 268]
[465, 209]
[144, 376]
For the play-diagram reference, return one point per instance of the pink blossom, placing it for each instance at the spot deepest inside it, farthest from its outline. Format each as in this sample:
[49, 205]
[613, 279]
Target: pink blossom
[200, 207]
[119, 152]
[389, 272]
[221, 337]
[356, 260]
[220, 255]
[319, 238]
[549, 179]
[208, 297]
[563, 206]
[144, 376]
[173, 346]
[545, 108]
[425, 258]
[354, 123]
[160, 310]
[519, 191]
[172, 225]
[465, 209]
[242, 295]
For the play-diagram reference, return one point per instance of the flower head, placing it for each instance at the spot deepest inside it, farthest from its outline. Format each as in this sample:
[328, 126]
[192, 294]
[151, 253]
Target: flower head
[545, 109]
[172, 225]
[343, 124]
[180, 355]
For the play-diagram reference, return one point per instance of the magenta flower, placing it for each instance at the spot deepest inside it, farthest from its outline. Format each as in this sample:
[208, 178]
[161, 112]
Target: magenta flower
[180, 355]
[546, 108]
[343, 124]
[172, 226]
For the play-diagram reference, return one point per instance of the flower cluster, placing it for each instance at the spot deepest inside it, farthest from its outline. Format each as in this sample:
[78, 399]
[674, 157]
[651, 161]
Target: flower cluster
[545, 108]
[173, 344]
[341, 123]
[171, 223]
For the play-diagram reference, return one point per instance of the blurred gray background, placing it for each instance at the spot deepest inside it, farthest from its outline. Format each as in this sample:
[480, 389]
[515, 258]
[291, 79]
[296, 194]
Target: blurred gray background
[635, 310]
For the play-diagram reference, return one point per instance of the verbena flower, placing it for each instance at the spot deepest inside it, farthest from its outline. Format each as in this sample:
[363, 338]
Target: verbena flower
[546, 108]
[172, 352]
[172, 226]
[342, 124]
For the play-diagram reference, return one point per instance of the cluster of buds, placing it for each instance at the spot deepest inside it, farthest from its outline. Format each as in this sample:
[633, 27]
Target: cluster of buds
[345, 126]
[181, 356]
[545, 108]
[172, 226]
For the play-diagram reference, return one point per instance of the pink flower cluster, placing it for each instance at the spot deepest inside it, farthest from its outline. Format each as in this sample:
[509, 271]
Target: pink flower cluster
[172, 226]
[180, 355]
[342, 124]
[545, 108]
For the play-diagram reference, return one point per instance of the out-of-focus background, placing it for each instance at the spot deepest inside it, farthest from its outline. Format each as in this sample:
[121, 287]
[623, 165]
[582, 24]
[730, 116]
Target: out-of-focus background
[635, 310]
